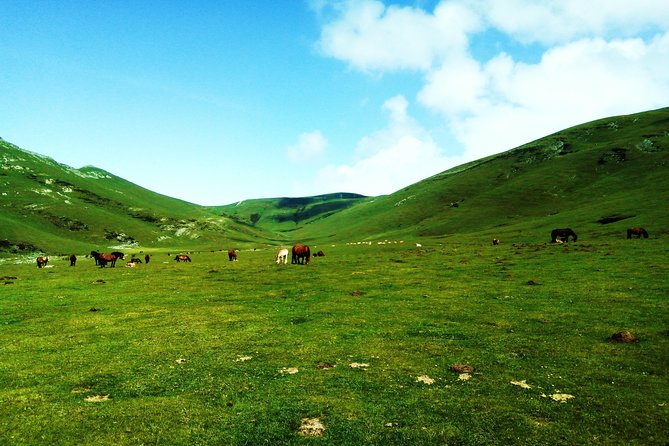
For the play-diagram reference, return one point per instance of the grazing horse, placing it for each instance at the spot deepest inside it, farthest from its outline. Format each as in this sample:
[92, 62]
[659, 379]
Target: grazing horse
[301, 254]
[95, 255]
[182, 258]
[563, 234]
[42, 261]
[105, 258]
[118, 255]
[232, 255]
[135, 260]
[73, 260]
[282, 256]
[638, 232]
[147, 258]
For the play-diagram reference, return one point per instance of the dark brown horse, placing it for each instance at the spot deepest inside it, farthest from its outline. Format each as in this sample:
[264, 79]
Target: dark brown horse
[118, 255]
[73, 260]
[182, 258]
[147, 258]
[95, 255]
[562, 234]
[232, 255]
[104, 258]
[301, 254]
[42, 261]
[638, 232]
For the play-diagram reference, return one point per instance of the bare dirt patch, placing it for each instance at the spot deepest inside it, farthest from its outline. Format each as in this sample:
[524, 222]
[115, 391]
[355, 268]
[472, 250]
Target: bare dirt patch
[425, 379]
[624, 337]
[97, 398]
[461, 368]
[311, 427]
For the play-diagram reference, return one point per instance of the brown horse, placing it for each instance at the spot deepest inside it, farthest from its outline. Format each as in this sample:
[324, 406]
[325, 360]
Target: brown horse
[638, 232]
[147, 258]
[301, 254]
[232, 255]
[563, 234]
[104, 258]
[182, 258]
[42, 261]
[73, 260]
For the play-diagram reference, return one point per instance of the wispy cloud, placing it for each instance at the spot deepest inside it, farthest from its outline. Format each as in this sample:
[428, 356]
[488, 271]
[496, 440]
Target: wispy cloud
[309, 146]
[400, 154]
[594, 59]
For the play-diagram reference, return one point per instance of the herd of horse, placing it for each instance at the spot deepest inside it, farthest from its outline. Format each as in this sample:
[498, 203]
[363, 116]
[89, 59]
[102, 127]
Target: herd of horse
[301, 254]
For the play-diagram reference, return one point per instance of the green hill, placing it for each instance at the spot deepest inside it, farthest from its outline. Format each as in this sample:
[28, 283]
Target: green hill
[597, 178]
[287, 214]
[52, 207]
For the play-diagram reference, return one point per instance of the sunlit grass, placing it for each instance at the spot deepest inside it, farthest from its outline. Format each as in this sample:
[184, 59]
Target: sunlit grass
[199, 353]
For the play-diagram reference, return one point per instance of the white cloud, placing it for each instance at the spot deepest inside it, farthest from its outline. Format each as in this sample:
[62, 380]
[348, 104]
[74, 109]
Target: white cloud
[309, 146]
[598, 58]
[370, 36]
[560, 21]
[503, 103]
[399, 155]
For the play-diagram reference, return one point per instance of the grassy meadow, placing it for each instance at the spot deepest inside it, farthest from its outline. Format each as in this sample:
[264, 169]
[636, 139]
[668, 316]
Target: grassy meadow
[358, 347]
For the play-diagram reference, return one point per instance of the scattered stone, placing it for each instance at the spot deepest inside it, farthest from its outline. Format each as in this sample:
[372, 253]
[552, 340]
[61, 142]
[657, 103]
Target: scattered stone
[289, 370]
[325, 366]
[99, 281]
[522, 384]
[461, 368]
[93, 309]
[624, 337]
[464, 376]
[97, 398]
[425, 379]
[561, 397]
[359, 365]
[243, 358]
[311, 427]
[181, 360]
[532, 282]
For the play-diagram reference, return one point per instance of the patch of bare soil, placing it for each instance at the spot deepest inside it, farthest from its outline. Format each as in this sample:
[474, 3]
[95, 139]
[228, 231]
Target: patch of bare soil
[425, 379]
[325, 366]
[311, 427]
[461, 368]
[359, 365]
[97, 398]
[357, 293]
[624, 337]
[521, 384]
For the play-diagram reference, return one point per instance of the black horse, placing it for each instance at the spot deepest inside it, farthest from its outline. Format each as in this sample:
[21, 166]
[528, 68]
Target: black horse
[96, 256]
[73, 260]
[638, 232]
[562, 234]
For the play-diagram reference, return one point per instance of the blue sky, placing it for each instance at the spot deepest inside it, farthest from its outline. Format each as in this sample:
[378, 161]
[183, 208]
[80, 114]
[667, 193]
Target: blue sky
[215, 102]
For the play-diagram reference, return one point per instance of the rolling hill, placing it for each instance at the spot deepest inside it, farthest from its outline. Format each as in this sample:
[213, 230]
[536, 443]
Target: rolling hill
[51, 207]
[598, 178]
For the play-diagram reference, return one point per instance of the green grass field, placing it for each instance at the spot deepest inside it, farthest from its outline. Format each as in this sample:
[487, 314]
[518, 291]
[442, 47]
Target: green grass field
[216, 352]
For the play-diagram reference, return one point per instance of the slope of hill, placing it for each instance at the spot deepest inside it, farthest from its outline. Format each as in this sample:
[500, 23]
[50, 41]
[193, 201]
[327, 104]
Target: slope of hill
[599, 178]
[51, 207]
[286, 214]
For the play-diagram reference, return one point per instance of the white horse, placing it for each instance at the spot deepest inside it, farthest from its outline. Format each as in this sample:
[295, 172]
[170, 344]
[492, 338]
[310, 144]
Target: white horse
[282, 255]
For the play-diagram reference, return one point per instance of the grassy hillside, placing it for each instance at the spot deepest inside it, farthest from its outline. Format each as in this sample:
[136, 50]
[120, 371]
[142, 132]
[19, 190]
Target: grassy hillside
[286, 214]
[598, 178]
[51, 207]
